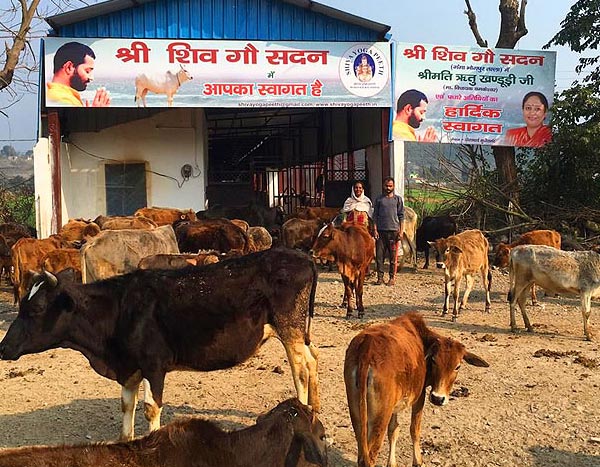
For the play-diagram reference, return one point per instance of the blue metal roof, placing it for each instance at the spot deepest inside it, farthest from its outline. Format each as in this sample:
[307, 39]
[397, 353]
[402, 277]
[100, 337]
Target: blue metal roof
[282, 20]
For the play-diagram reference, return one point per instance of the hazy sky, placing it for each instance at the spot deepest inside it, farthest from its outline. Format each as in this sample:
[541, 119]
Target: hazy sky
[425, 21]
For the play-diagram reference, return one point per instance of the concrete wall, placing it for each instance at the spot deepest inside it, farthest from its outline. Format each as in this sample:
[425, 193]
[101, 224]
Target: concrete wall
[164, 143]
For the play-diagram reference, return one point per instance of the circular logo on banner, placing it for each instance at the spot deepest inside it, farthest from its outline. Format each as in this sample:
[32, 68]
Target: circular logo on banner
[364, 70]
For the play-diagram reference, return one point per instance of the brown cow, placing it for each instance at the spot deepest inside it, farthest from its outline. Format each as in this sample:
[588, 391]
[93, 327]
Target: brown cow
[78, 231]
[534, 237]
[353, 249]
[10, 232]
[27, 255]
[242, 224]
[214, 234]
[290, 435]
[463, 255]
[5, 258]
[166, 216]
[323, 214]
[259, 238]
[63, 258]
[300, 233]
[388, 367]
[125, 222]
[174, 261]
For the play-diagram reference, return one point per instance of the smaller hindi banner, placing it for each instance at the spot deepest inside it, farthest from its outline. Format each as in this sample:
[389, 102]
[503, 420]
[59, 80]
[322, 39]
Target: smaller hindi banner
[467, 95]
[215, 73]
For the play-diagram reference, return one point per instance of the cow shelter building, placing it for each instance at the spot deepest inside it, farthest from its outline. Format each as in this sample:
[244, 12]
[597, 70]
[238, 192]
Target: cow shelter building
[247, 101]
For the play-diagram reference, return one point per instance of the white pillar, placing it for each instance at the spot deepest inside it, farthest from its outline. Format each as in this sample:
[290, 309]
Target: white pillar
[397, 165]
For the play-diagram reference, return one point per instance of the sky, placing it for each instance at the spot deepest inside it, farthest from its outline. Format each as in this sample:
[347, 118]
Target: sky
[426, 21]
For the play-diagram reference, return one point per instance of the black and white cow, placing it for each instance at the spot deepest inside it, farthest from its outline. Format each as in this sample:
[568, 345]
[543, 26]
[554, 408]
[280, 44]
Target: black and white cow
[146, 323]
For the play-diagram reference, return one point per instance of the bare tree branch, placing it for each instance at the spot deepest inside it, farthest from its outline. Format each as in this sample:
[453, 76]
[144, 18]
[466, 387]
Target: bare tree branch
[481, 42]
[13, 52]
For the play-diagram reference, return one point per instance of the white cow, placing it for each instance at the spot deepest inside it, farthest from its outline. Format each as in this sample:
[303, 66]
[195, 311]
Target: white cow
[167, 83]
[556, 271]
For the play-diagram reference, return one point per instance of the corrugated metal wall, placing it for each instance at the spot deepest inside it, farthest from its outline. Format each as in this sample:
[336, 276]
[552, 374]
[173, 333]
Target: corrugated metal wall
[219, 19]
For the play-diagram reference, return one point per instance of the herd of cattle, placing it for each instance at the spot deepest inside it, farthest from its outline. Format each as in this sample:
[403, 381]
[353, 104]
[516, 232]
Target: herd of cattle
[166, 289]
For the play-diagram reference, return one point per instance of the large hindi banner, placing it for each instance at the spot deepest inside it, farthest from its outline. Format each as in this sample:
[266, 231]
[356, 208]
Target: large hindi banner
[196, 73]
[467, 95]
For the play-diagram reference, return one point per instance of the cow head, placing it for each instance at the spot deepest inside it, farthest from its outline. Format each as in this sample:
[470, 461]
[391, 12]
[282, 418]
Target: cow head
[441, 247]
[302, 426]
[444, 357]
[44, 316]
[502, 256]
[321, 247]
[183, 75]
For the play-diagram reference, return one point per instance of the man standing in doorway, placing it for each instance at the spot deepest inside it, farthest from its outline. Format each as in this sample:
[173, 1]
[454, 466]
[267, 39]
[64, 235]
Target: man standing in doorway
[387, 219]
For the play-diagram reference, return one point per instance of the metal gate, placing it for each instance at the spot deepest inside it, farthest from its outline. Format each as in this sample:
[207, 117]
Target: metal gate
[317, 184]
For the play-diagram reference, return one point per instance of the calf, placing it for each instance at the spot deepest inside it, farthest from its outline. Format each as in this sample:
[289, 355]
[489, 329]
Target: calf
[432, 229]
[147, 323]
[463, 255]
[534, 237]
[388, 367]
[290, 435]
[167, 83]
[557, 271]
[353, 249]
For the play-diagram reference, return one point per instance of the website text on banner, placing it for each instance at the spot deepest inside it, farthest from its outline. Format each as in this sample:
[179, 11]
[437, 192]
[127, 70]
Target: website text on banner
[161, 73]
[466, 95]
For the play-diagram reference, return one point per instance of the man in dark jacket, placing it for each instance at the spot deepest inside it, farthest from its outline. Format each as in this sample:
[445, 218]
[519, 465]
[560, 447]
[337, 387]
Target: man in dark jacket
[387, 218]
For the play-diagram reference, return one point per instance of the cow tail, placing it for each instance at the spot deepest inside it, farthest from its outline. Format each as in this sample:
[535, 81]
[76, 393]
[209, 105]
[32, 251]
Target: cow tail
[511, 282]
[489, 278]
[311, 303]
[362, 375]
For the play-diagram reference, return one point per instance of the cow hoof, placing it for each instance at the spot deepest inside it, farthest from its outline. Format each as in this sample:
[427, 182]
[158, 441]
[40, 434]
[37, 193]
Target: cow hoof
[349, 315]
[454, 319]
[361, 315]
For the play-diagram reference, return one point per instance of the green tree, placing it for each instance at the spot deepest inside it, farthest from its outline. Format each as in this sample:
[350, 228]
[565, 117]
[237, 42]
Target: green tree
[8, 151]
[563, 179]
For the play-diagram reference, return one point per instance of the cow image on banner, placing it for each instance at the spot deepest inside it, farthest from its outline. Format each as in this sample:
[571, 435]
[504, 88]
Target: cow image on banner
[468, 95]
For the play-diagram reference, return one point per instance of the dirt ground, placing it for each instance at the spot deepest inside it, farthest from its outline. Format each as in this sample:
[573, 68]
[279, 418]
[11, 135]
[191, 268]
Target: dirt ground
[536, 405]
